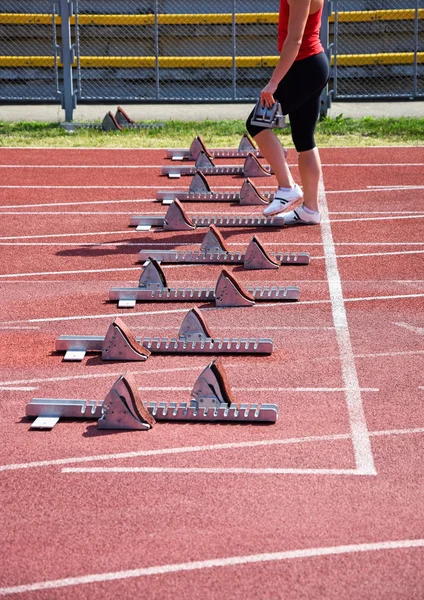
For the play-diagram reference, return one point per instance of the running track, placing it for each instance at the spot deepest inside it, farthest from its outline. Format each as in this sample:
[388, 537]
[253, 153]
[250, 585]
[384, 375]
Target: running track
[328, 503]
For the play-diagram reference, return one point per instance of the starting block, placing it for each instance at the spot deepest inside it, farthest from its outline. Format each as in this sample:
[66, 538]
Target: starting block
[194, 337]
[152, 287]
[268, 117]
[251, 168]
[198, 145]
[199, 191]
[121, 121]
[123, 409]
[213, 250]
[176, 219]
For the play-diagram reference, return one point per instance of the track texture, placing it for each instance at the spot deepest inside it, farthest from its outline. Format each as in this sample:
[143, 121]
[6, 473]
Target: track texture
[326, 504]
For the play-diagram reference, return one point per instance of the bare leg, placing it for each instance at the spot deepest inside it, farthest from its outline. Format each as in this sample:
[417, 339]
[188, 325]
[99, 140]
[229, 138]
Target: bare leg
[274, 153]
[310, 173]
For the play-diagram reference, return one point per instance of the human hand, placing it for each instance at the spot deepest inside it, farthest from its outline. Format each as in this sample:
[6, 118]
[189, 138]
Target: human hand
[267, 94]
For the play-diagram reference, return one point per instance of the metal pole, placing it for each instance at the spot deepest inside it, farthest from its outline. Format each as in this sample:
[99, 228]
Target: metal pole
[335, 46]
[234, 39]
[415, 85]
[156, 34]
[67, 59]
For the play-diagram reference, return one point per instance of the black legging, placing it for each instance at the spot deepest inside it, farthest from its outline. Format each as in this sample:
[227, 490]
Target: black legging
[299, 94]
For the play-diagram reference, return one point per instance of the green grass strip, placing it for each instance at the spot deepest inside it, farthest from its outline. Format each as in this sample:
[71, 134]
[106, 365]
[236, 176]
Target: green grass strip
[339, 131]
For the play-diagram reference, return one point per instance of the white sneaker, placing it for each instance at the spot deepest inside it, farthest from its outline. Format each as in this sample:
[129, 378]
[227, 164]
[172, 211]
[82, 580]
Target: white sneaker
[299, 216]
[283, 200]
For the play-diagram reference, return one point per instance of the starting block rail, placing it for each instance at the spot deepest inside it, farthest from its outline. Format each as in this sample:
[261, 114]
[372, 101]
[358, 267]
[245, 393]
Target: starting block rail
[176, 219]
[213, 250]
[227, 292]
[194, 337]
[251, 168]
[123, 409]
[198, 145]
[200, 191]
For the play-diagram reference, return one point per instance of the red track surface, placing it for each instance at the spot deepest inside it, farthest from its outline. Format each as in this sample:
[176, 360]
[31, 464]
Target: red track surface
[337, 478]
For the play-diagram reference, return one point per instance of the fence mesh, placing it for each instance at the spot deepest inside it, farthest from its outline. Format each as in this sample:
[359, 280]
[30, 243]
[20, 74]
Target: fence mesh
[27, 67]
[177, 50]
[377, 49]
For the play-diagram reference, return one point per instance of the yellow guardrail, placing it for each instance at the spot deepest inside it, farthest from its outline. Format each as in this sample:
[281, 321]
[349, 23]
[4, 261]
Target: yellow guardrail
[206, 62]
[406, 14]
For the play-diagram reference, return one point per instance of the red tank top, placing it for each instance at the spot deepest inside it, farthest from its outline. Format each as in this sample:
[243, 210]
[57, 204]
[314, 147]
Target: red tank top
[311, 43]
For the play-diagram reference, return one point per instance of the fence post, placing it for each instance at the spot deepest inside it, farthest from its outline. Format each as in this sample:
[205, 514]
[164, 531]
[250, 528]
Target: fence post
[156, 36]
[234, 39]
[415, 84]
[67, 58]
[325, 41]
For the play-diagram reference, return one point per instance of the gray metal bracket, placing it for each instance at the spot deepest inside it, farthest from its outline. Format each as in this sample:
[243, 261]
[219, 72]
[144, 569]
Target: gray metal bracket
[194, 337]
[197, 146]
[176, 219]
[212, 252]
[123, 409]
[251, 168]
[200, 191]
[227, 292]
[268, 117]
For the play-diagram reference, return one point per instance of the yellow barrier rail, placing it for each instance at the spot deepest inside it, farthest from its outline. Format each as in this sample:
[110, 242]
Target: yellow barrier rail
[407, 14]
[206, 62]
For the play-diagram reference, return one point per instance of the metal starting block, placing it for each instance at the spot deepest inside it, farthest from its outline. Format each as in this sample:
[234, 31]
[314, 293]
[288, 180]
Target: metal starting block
[152, 287]
[251, 168]
[268, 117]
[199, 191]
[194, 337]
[198, 145]
[176, 219]
[122, 121]
[211, 401]
[213, 250]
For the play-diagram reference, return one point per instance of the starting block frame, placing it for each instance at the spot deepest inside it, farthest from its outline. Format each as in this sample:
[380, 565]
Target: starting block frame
[228, 292]
[197, 146]
[194, 337]
[200, 191]
[123, 409]
[213, 250]
[176, 219]
[251, 168]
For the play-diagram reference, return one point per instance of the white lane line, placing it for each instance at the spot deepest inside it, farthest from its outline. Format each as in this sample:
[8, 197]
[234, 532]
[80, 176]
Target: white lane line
[369, 191]
[376, 212]
[60, 235]
[76, 272]
[374, 355]
[395, 218]
[63, 212]
[418, 330]
[212, 308]
[17, 389]
[360, 438]
[214, 470]
[51, 204]
[205, 448]
[314, 390]
[214, 563]
[132, 167]
[8, 327]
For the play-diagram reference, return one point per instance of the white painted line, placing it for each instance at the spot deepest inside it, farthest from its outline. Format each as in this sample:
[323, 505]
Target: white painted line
[373, 355]
[60, 235]
[214, 470]
[371, 298]
[279, 390]
[63, 212]
[206, 448]
[229, 561]
[368, 191]
[51, 204]
[132, 167]
[367, 254]
[38, 274]
[418, 330]
[376, 212]
[8, 327]
[395, 218]
[17, 389]
[360, 438]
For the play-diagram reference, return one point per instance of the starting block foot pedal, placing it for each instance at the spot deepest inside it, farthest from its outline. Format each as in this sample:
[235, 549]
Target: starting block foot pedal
[251, 168]
[110, 123]
[123, 409]
[268, 117]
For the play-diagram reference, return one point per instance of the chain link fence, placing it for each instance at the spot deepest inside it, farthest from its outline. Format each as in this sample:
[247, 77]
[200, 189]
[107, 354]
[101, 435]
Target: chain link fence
[174, 51]
[378, 49]
[28, 69]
